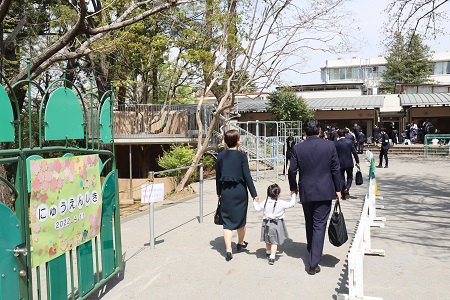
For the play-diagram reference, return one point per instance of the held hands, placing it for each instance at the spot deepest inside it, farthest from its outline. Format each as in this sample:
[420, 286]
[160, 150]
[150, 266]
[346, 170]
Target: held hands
[256, 199]
[339, 195]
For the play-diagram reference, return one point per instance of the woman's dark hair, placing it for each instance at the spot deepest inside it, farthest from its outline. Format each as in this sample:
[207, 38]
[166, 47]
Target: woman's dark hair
[311, 127]
[231, 138]
[273, 191]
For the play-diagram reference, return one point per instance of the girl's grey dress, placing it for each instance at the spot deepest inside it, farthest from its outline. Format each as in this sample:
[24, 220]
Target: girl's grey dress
[232, 180]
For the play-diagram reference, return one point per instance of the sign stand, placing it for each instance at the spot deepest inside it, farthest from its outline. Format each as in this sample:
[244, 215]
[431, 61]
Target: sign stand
[152, 193]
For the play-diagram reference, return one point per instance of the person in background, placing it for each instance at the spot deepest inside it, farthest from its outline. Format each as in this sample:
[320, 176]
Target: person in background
[273, 229]
[232, 180]
[376, 134]
[288, 149]
[394, 136]
[356, 129]
[361, 138]
[345, 149]
[348, 135]
[385, 145]
[319, 182]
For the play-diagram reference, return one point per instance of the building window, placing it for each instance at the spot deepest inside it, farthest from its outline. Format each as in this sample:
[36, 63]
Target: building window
[442, 67]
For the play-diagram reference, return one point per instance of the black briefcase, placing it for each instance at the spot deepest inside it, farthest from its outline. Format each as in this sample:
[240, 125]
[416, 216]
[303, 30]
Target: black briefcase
[358, 177]
[337, 231]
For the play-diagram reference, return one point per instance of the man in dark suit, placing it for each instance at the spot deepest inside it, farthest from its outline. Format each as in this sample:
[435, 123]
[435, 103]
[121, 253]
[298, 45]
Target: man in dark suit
[319, 182]
[361, 138]
[345, 149]
[385, 145]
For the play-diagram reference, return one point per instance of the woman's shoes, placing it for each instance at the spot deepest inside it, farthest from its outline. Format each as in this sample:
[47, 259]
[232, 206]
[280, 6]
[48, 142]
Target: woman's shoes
[242, 246]
[229, 256]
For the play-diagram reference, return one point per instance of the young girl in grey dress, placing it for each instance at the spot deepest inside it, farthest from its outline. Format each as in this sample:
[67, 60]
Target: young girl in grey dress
[273, 229]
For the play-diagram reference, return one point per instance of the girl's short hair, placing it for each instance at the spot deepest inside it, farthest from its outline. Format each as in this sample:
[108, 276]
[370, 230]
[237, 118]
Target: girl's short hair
[231, 138]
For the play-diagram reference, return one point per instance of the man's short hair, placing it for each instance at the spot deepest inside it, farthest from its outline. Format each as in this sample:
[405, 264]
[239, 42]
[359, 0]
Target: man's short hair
[341, 132]
[311, 127]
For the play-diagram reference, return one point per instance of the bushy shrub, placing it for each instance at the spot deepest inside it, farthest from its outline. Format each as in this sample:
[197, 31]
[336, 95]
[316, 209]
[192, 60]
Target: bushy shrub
[209, 163]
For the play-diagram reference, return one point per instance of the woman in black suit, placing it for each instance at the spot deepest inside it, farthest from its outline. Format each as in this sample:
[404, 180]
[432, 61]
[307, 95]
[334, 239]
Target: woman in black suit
[288, 148]
[232, 180]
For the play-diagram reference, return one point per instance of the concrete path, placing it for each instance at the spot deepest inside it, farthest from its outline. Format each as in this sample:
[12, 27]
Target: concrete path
[188, 261]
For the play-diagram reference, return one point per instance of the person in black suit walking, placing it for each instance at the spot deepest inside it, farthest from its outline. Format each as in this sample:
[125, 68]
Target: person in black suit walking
[319, 183]
[345, 149]
[288, 148]
[361, 138]
[385, 145]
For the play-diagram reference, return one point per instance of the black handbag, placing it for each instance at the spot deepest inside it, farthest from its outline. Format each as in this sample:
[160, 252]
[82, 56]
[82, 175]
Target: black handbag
[358, 177]
[218, 216]
[337, 231]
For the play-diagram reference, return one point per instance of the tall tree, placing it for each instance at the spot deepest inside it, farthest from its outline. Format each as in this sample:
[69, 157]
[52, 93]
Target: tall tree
[83, 33]
[261, 39]
[285, 105]
[423, 17]
[408, 61]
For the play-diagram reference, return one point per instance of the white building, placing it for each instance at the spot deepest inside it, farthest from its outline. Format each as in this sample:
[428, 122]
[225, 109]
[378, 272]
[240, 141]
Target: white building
[369, 71]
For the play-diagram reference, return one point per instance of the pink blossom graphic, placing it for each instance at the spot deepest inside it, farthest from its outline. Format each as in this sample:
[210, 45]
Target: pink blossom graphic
[60, 183]
[44, 198]
[57, 166]
[48, 176]
[35, 204]
[35, 166]
[40, 177]
[36, 184]
[95, 221]
[44, 185]
[36, 227]
[44, 166]
[53, 185]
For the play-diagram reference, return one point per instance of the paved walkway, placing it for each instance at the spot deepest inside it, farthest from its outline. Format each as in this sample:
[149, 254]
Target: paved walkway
[188, 261]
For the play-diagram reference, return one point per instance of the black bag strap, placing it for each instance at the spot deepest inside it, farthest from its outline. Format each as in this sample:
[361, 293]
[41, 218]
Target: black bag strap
[218, 203]
[336, 206]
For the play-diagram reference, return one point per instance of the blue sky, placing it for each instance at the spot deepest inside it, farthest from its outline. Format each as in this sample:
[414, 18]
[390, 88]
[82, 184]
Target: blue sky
[369, 17]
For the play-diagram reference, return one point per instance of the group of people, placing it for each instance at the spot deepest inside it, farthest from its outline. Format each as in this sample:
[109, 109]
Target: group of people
[317, 162]
[355, 134]
[415, 132]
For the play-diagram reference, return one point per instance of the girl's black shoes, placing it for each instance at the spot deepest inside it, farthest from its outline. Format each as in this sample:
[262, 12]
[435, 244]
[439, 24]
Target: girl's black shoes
[242, 246]
[229, 256]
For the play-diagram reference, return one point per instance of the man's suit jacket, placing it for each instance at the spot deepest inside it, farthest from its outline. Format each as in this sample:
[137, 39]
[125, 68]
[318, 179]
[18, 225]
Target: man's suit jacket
[345, 149]
[385, 141]
[361, 137]
[319, 173]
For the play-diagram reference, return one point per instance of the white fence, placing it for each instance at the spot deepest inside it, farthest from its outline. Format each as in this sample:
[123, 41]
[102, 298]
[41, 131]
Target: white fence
[361, 244]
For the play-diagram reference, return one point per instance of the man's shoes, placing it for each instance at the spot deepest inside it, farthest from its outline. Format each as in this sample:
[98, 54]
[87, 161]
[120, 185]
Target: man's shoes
[385, 166]
[241, 247]
[271, 261]
[229, 256]
[379, 166]
[313, 271]
[346, 195]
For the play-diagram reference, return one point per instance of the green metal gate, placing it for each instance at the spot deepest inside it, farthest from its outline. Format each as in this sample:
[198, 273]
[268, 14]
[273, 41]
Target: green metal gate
[65, 127]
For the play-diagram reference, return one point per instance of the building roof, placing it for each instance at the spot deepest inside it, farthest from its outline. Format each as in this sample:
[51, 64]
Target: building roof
[424, 99]
[334, 103]
[342, 103]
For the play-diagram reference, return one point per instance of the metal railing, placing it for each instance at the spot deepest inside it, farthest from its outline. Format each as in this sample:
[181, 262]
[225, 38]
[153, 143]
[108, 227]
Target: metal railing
[436, 144]
[361, 244]
[148, 120]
